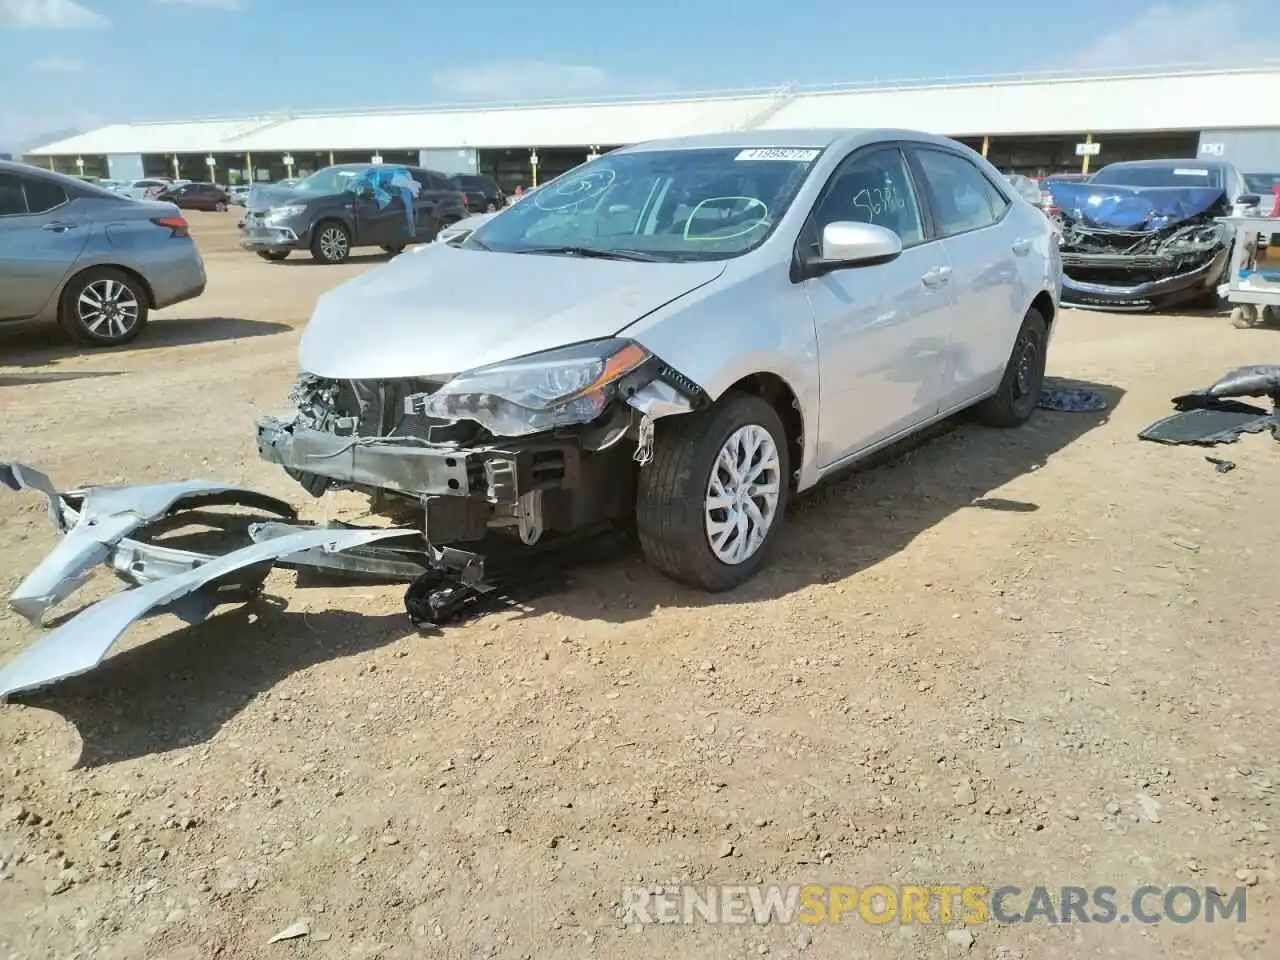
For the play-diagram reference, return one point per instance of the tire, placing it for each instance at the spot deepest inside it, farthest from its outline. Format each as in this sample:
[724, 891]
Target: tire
[274, 256]
[672, 494]
[219, 207]
[392, 249]
[330, 242]
[490, 207]
[1015, 401]
[85, 301]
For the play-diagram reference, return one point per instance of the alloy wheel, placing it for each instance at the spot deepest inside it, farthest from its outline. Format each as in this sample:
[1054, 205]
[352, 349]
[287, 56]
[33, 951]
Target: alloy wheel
[742, 494]
[108, 308]
[333, 243]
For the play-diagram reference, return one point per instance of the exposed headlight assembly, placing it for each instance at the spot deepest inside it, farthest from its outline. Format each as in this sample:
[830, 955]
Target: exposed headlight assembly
[543, 391]
[288, 210]
[1201, 237]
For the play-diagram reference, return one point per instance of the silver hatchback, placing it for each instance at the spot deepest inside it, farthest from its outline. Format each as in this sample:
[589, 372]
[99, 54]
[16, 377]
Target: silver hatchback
[679, 335]
[90, 259]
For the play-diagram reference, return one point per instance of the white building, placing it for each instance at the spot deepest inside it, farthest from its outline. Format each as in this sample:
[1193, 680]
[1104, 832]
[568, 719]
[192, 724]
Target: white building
[1038, 124]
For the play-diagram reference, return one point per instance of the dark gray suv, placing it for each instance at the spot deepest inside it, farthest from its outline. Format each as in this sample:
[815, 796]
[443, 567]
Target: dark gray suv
[326, 214]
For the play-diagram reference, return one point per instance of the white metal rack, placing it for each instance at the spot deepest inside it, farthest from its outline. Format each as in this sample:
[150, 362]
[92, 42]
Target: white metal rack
[1253, 285]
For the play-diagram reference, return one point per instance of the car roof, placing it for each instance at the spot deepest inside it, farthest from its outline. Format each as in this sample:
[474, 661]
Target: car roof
[802, 138]
[1210, 164]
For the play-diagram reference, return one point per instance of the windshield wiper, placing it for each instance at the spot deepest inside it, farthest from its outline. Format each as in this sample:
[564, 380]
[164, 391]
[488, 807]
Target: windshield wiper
[597, 253]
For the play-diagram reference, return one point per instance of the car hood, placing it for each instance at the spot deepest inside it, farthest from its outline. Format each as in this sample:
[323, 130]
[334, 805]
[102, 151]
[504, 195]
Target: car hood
[447, 310]
[263, 197]
[1133, 208]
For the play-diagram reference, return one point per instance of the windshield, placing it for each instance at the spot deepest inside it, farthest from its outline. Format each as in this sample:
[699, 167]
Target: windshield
[329, 180]
[1162, 175]
[1262, 183]
[706, 204]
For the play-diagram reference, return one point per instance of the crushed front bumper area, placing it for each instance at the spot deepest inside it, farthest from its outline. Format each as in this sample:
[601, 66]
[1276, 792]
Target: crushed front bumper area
[1139, 282]
[497, 474]
[110, 525]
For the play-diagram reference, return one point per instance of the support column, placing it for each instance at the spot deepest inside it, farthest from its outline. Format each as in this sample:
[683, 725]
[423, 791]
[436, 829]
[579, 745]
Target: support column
[331, 158]
[177, 168]
[533, 166]
[248, 167]
[1084, 161]
[51, 167]
[288, 165]
[986, 145]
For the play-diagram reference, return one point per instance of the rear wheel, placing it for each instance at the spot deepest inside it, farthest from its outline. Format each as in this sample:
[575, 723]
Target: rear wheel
[392, 249]
[220, 207]
[710, 503]
[275, 256]
[1014, 402]
[331, 243]
[103, 307]
[490, 207]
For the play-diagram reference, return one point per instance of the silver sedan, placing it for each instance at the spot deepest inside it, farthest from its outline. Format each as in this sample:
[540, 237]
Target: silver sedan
[679, 335]
[90, 259]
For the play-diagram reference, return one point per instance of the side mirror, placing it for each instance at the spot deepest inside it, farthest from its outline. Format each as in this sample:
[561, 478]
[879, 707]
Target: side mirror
[846, 243]
[1249, 199]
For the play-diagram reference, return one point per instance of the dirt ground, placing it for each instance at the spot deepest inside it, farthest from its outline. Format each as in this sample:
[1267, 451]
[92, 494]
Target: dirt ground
[1038, 657]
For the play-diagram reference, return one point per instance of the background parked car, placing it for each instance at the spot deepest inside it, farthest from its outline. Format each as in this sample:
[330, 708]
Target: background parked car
[321, 214]
[239, 194]
[483, 193]
[92, 260]
[197, 196]
[147, 189]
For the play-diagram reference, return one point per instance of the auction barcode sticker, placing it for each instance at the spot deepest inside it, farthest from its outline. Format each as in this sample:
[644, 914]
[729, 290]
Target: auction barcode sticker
[789, 154]
[1188, 172]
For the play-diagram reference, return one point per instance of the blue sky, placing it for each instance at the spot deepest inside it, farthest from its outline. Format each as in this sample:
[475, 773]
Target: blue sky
[82, 63]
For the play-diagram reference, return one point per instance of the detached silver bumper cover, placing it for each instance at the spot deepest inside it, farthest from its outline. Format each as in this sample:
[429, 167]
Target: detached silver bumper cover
[96, 522]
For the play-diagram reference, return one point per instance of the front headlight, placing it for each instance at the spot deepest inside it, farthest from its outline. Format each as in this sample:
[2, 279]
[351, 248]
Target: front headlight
[288, 210]
[536, 393]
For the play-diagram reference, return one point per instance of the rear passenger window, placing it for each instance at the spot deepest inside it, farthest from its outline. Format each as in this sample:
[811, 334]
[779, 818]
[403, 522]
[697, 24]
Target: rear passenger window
[963, 198]
[12, 202]
[43, 195]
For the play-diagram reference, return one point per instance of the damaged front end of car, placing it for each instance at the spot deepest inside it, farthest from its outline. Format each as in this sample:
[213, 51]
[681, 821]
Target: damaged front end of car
[1140, 248]
[532, 447]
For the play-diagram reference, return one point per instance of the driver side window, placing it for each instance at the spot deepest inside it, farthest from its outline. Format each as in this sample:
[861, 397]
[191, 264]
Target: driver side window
[873, 187]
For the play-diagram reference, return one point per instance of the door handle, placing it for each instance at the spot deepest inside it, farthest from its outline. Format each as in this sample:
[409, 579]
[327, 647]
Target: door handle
[936, 277]
[59, 227]
[1021, 247]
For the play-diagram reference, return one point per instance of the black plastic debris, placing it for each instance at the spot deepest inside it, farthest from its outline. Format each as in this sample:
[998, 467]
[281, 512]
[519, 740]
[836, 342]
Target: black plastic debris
[1064, 399]
[1220, 465]
[461, 584]
[1211, 416]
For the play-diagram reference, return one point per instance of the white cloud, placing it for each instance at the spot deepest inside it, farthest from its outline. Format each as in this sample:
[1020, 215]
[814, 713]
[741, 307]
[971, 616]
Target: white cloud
[208, 4]
[1166, 35]
[48, 15]
[57, 65]
[517, 80]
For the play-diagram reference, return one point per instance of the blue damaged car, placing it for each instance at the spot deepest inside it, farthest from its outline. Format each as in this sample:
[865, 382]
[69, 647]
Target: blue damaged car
[1142, 235]
[342, 207]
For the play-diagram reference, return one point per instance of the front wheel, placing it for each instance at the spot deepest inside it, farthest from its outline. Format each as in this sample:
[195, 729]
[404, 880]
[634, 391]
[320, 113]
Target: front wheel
[274, 256]
[219, 207]
[1019, 392]
[103, 307]
[710, 503]
[331, 243]
[392, 249]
